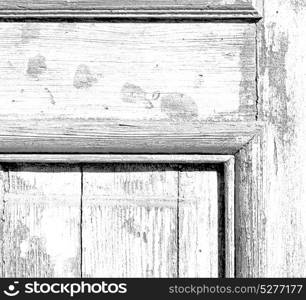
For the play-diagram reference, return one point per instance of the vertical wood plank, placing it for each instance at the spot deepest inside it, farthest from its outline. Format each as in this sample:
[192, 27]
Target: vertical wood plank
[198, 224]
[283, 96]
[41, 221]
[271, 206]
[229, 195]
[3, 182]
[250, 211]
[129, 221]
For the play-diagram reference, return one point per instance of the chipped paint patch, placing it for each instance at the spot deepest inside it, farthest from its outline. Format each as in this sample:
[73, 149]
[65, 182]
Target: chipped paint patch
[83, 78]
[21, 255]
[298, 5]
[178, 106]
[36, 66]
[282, 115]
[247, 86]
[134, 229]
[131, 93]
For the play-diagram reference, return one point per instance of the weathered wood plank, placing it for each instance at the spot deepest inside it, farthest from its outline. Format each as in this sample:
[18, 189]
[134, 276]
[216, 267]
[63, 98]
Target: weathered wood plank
[128, 71]
[3, 183]
[114, 136]
[272, 229]
[94, 4]
[198, 224]
[229, 217]
[114, 158]
[250, 211]
[40, 221]
[282, 86]
[129, 221]
[202, 9]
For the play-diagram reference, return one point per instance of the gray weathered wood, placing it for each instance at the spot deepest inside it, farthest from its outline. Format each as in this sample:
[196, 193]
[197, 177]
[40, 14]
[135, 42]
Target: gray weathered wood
[198, 224]
[127, 71]
[271, 169]
[129, 221]
[109, 136]
[38, 205]
[3, 182]
[40, 221]
[168, 9]
[151, 221]
[127, 88]
[250, 211]
[114, 158]
[229, 198]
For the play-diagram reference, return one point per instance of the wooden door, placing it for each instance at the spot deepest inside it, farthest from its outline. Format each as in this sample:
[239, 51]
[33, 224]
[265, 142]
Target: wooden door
[229, 81]
[112, 220]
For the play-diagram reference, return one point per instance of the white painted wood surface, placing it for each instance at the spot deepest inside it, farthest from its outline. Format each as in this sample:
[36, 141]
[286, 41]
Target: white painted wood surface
[129, 222]
[132, 220]
[143, 221]
[2, 191]
[198, 224]
[40, 222]
[284, 44]
[271, 169]
[127, 71]
[126, 87]
[63, 136]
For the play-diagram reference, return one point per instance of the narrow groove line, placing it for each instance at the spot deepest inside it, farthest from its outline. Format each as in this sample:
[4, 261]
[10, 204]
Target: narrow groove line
[178, 226]
[81, 221]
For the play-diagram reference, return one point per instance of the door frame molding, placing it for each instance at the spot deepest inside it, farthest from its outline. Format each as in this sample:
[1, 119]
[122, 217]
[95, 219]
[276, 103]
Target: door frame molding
[228, 162]
[149, 11]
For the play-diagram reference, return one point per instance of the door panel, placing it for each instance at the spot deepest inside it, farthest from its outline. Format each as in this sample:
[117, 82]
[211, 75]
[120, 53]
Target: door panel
[129, 222]
[198, 224]
[110, 220]
[150, 221]
[40, 221]
[129, 71]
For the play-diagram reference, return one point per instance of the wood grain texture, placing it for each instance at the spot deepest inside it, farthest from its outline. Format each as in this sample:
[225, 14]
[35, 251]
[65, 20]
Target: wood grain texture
[198, 224]
[128, 71]
[3, 182]
[114, 158]
[144, 213]
[199, 9]
[229, 217]
[40, 222]
[250, 210]
[129, 222]
[282, 87]
[272, 229]
[112, 136]
[19, 4]
[150, 221]
[127, 87]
